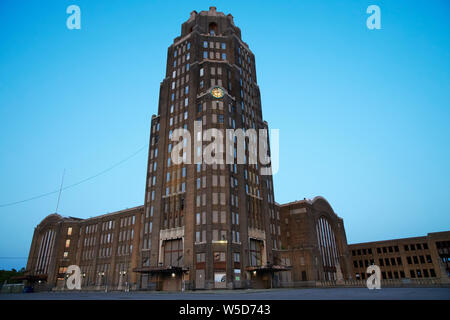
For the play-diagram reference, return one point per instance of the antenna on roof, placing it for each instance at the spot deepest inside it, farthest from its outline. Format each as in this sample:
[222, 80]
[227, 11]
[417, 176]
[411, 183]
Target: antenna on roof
[60, 190]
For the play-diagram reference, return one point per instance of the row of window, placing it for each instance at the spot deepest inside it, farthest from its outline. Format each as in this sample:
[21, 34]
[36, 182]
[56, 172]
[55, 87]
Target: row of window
[217, 217]
[218, 256]
[391, 249]
[126, 235]
[124, 249]
[393, 261]
[418, 273]
[417, 246]
[218, 45]
[217, 236]
[416, 259]
[106, 238]
[214, 55]
[217, 198]
[104, 252]
[89, 241]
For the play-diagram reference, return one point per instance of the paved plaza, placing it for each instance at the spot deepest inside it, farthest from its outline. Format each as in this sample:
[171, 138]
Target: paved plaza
[273, 294]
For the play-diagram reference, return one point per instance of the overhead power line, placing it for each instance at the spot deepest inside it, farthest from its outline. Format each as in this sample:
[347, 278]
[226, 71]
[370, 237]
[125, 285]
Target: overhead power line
[76, 183]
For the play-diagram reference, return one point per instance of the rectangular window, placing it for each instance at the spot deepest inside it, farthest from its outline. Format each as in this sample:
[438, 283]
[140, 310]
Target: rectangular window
[432, 273]
[173, 253]
[219, 256]
[256, 247]
[200, 257]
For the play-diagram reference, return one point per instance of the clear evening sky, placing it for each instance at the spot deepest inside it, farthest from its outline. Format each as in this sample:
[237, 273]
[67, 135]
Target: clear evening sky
[364, 115]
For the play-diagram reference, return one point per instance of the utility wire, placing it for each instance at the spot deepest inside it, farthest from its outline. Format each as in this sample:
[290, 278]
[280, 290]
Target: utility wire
[76, 183]
[60, 190]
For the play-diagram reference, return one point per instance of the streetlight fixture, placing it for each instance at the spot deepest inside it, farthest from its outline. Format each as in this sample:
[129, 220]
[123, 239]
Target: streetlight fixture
[102, 274]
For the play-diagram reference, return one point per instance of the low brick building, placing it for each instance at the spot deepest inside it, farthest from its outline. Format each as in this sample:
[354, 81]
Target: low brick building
[102, 246]
[409, 258]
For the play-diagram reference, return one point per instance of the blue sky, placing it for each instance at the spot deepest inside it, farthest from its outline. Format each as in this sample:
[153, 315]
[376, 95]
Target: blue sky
[363, 114]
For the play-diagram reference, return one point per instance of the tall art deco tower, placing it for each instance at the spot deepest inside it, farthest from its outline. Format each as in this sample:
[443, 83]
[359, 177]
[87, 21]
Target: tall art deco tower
[207, 225]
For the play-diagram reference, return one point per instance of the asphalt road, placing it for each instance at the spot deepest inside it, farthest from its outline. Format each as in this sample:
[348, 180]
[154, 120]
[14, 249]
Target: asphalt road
[273, 294]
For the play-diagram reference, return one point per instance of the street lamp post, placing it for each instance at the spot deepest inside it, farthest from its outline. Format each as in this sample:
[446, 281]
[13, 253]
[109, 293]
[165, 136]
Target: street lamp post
[122, 275]
[65, 282]
[102, 274]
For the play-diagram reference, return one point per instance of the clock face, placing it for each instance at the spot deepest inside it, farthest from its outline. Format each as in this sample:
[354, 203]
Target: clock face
[217, 92]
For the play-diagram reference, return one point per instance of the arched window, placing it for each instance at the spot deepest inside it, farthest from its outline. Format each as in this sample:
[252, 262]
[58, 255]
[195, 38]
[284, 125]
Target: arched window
[328, 249]
[212, 28]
